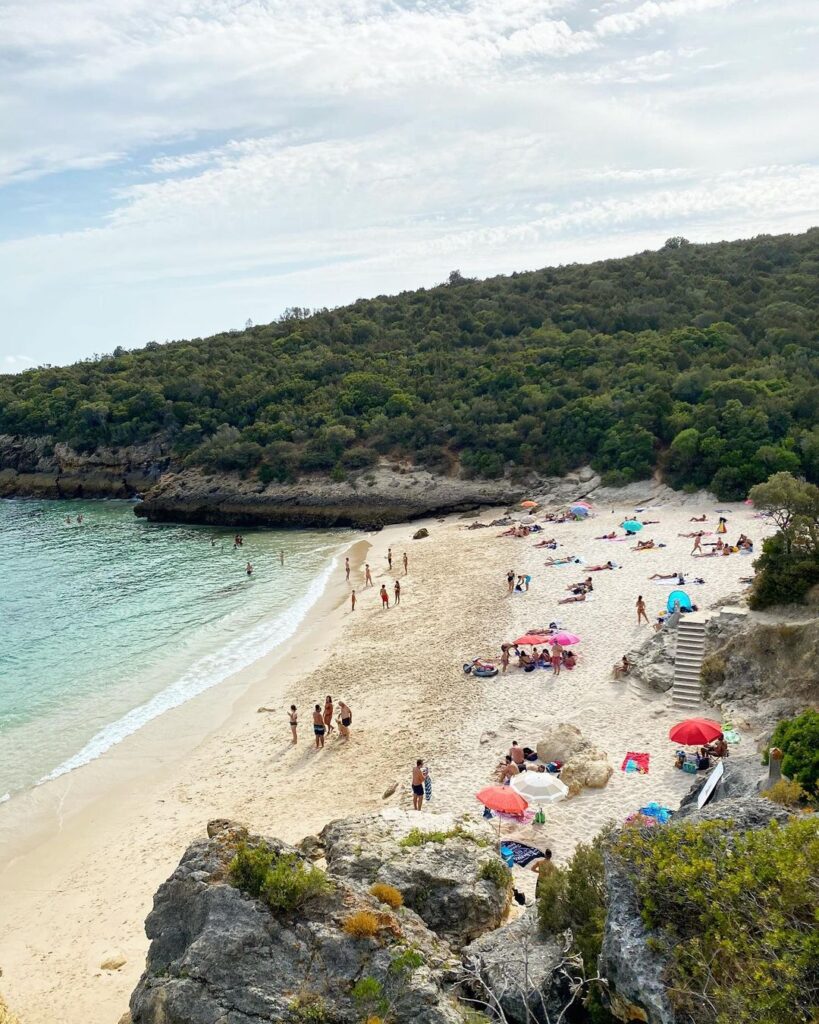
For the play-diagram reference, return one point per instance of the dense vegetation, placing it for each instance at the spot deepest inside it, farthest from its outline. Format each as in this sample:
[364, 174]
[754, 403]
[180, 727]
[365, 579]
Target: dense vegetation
[700, 358]
[788, 569]
[798, 739]
[282, 881]
[735, 913]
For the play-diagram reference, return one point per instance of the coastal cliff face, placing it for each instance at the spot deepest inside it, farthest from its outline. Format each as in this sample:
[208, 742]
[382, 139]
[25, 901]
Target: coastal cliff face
[389, 493]
[37, 468]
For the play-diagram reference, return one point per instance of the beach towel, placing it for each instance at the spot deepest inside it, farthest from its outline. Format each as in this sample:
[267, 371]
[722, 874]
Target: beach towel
[427, 784]
[730, 734]
[520, 819]
[634, 762]
[522, 854]
[656, 811]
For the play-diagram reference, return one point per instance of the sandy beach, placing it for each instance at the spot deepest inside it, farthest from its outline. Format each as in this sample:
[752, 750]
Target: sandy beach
[81, 857]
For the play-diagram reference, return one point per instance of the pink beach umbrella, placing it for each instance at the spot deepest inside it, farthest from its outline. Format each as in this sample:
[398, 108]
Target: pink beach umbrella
[564, 639]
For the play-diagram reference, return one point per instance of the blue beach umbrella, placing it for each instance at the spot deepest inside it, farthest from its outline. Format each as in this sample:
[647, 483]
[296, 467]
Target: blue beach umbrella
[579, 510]
[632, 526]
[678, 595]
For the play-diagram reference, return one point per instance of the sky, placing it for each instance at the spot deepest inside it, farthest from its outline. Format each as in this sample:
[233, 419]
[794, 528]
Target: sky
[170, 170]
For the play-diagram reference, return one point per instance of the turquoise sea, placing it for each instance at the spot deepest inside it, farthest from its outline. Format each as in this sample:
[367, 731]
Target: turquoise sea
[108, 623]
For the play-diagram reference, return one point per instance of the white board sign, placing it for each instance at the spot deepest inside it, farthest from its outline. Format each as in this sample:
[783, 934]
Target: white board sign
[709, 787]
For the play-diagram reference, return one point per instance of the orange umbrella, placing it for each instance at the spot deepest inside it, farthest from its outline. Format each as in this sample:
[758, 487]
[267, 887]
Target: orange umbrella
[528, 504]
[503, 799]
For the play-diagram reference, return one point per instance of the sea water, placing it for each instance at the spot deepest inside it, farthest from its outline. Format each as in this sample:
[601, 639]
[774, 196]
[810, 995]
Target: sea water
[108, 623]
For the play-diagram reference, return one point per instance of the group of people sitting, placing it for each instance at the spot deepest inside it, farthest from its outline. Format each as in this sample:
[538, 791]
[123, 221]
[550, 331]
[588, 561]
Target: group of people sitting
[718, 749]
[555, 658]
[519, 530]
[522, 759]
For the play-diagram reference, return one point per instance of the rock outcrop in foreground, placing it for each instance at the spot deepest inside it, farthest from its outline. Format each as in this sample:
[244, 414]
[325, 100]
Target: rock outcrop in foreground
[217, 954]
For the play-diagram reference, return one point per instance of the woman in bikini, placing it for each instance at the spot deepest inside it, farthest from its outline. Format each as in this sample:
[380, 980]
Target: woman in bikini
[294, 723]
[641, 610]
[318, 727]
[328, 714]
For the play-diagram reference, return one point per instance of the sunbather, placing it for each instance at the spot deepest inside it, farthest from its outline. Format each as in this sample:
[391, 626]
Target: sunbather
[601, 568]
[551, 542]
[574, 599]
[622, 668]
[560, 561]
[607, 536]
[678, 576]
[698, 519]
[644, 545]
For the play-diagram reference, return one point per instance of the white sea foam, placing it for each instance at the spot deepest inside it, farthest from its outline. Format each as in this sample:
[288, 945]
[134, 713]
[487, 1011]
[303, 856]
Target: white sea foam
[201, 676]
[4, 797]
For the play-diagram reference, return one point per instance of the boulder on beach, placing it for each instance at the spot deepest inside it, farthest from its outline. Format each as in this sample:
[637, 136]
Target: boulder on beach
[420, 534]
[438, 864]
[559, 742]
[583, 763]
[113, 960]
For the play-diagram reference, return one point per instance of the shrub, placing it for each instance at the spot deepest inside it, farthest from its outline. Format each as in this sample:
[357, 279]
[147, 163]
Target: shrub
[798, 739]
[368, 992]
[407, 962]
[712, 670]
[284, 882]
[418, 837]
[786, 792]
[361, 925]
[387, 894]
[575, 897]
[497, 872]
[307, 1009]
[734, 914]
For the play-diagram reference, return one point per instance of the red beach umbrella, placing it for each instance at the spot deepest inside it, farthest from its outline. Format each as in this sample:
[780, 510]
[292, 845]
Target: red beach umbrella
[533, 638]
[503, 799]
[695, 731]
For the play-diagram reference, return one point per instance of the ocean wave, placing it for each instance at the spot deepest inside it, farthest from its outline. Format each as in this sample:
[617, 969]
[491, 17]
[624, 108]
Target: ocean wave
[4, 797]
[204, 674]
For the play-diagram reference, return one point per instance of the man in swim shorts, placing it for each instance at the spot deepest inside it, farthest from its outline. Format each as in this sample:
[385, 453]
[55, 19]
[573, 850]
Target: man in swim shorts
[385, 597]
[345, 719]
[318, 727]
[418, 785]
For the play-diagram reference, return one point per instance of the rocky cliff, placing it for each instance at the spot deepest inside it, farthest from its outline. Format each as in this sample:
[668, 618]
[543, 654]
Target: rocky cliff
[37, 468]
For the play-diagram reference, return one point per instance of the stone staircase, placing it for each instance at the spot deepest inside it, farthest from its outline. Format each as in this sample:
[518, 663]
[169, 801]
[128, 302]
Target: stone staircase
[686, 693]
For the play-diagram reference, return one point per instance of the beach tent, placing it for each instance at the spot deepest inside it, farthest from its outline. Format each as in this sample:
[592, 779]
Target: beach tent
[678, 595]
[632, 526]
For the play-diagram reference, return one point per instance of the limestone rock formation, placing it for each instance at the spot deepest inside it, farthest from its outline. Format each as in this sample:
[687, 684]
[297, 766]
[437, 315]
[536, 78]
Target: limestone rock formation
[217, 954]
[440, 881]
[420, 534]
[652, 663]
[529, 974]
[584, 764]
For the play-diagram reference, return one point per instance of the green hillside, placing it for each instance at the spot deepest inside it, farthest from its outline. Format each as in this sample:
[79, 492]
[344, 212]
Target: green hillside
[699, 358]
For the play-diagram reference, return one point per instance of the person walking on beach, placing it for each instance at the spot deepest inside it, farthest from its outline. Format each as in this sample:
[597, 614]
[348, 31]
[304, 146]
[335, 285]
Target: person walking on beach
[368, 579]
[347, 569]
[641, 610]
[397, 589]
[328, 714]
[345, 720]
[389, 558]
[385, 597]
[352, 601]
[294, 723]
[406, 564]
[318, 727]
[418, 785]
[697, 544]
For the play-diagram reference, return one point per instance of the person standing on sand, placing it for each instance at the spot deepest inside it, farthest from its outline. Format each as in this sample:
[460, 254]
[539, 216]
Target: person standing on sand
[294, 723]
[641, 610]
[328, 714]
[406, 564]
[697, 544]
[397, 589]
[385, 597]
[347, 569]
[544, 868]
[318, 727]
[504, 657]
[352, 601]
[556, 659]
[418, 785]
[510, 580]
[345, 720]
[389, 558]
[368, 579]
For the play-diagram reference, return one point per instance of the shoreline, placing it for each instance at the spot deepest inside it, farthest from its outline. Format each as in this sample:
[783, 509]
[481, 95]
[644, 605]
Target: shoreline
[123, 822]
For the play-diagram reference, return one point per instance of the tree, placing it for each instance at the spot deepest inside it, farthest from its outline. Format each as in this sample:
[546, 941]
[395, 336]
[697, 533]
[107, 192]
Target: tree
[794, 507]
[798, 739]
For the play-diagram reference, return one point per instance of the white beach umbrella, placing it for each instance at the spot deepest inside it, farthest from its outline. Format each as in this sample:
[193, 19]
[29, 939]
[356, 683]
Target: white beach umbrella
[539, 787]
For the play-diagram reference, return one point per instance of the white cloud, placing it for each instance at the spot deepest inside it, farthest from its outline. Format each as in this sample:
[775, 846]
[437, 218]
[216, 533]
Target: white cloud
[252, 154]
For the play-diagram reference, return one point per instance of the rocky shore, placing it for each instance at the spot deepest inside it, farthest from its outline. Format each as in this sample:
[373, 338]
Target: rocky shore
[368, 499]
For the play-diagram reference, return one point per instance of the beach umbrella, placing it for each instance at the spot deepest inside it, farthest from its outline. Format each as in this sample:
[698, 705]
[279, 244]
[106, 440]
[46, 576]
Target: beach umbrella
[528, 503]
[503, 799]
[585, 504]
[632, 526]
[678, 595]
[579, 510]
[693, 732]
[535, 639]
[539, 787]
[564, 639]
